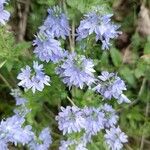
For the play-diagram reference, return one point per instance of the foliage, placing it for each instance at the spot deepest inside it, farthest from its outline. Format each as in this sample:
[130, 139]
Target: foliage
[130, 59]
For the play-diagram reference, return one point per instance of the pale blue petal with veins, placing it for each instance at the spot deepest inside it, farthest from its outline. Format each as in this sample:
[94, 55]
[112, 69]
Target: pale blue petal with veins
[11, 130]
[4, 15]
[115, 138]
[77, 71]
[47, 48]
[70, 119]
[56, 23]
[109, 85]
[45, 138]
[110, 116]
[95, 120]
[36, 81]
[101, 25]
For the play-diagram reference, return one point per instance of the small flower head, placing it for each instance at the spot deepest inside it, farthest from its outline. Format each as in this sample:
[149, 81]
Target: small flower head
[56, 23]
[94, 120]
[4, 15]
[45, 139]
[110, 116]
[76, 71]
[35, 81]
[101, 25]
[70, 119]
[115, 138]
[11, 130]
[64, 145]
[47, 48]
[109, 85]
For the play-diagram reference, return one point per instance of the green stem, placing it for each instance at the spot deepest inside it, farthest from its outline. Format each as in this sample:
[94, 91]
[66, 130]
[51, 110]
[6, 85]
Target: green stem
[70, 100]
[5, 81]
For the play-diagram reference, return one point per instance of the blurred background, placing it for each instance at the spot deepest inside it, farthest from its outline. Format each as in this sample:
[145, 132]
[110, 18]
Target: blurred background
[129, 56]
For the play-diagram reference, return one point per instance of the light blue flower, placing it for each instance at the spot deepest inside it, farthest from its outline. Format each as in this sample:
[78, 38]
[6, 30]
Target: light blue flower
[4, 15]
[66, 144]
[11, 130]
[101, 25]
[3, 145]
[35, 81]
[70, 120]
[47, 48]
[76, 70]
[110, 116]
[24, 76]
[95, 120]
[56, 23]
[115, 138]
[109, 85]
[45, 139]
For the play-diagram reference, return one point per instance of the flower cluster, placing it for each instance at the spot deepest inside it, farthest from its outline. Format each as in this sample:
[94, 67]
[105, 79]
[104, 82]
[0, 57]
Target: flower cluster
[78, 144]
[70, 119]
[4, 15]
[44, 137]
[76, 70]
[56, 24]
[48, 48]
[35, 81]
[109, 85]
[13, 130]
[115, 137]
[90, 120]
[101, 25]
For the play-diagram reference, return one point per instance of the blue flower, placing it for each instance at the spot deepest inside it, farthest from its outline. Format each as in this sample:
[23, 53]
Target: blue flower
[109, 85]
[87, 26]
[76, 70]
[47, 48]
[45, 138]
[101, 25]
[110, 116]
[56, 23]
[3, 145]
[4, 15]
[94, 120]
[24, 76]
[70, 119]
[35, 81]
[11, 130]
[115, 138]
[66, 144]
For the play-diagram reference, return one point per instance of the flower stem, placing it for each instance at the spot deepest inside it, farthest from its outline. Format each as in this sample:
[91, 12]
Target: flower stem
[70, 100]
[5, 81]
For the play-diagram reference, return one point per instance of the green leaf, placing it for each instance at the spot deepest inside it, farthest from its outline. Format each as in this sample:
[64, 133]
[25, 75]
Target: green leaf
[147, 48]
[116, 57]
[128, 75]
